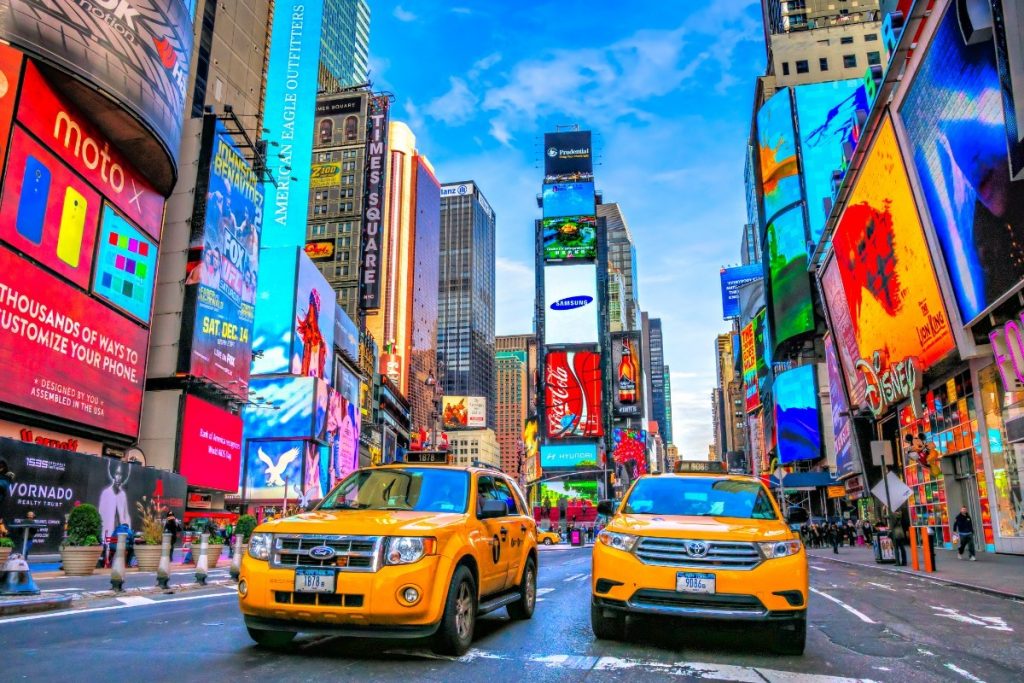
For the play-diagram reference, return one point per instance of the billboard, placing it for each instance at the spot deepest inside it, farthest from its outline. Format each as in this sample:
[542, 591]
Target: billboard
[1008, 34]
[748, 354]
[280, 408]
[780, 179]
[844, 337]
[570, 237]
[789, 283]
[51, 482]
[627, 400]
[568, 199]
[341, 434]
[531, 448]
[732, 279]
[331, 128]
[210, 449]
[10, 71]
[464, 412]
[825, 116]
[630, 451]
[66, 354]
[373, 200]
[275, 311]
[572, 394]
[795, 394]
[320, 250]
[273, 469]
[842, 426]
[958, 135]
[896, 306]
[568, 154]
[136, 52]
[568, 456]
[220, 283]
[346, 335]
[570, 304]
[313, 334]
[125, 269]
[762, 350]
[325, 175]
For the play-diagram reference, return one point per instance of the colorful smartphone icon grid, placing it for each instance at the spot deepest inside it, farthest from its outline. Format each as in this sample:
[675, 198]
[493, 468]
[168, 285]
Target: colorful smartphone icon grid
[125, 266]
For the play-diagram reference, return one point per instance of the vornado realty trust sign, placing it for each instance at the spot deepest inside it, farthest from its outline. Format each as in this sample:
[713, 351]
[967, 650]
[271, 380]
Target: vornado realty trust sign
[373, 201]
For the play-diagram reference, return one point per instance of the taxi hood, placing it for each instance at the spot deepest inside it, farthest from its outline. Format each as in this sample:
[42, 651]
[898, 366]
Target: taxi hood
[364, 523]
[704, 528]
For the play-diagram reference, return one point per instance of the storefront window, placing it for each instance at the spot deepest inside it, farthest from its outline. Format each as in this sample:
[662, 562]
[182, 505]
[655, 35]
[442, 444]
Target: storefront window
[1007, 458]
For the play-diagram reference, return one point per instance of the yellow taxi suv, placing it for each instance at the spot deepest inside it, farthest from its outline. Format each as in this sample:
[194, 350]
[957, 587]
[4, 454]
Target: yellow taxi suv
[400, 551]
[705, 546]
[548, 537]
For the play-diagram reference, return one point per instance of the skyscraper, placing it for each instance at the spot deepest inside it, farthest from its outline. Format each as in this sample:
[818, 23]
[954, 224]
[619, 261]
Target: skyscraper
[622, 258]
[512, 405]
[657, 369]
[666, 434]
[525, 343]
[344, 45]
[465, 337]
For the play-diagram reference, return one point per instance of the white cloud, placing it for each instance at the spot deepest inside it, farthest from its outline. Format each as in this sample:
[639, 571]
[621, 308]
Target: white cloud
[460, 10]
[404, 15]
[483, 64]
[455, 107]
[499, 131]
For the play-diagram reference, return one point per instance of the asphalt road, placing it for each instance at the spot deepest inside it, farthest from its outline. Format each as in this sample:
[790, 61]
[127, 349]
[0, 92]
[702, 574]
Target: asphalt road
[865, 624]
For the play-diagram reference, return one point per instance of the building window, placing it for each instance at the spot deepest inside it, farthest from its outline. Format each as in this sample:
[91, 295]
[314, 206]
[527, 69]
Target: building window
[347, 179]
[802, 67]
[785, 68]
[846, 40]
[874, 58]
[868, 37]
[850, 61]
[823, 63]
[348, 166]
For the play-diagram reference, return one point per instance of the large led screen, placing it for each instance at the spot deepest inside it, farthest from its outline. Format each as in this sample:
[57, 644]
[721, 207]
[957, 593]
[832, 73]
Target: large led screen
[275, 311]
[749, 364]
[790, 285]
[780, 179]
[570, 304]
[572, 394]
[844, 336]
[66, 354]
[280, 408]
[210, 450]
[825, 115]
[628, 398]
[341, 434]
[464, 412]
[762, 349]
[629, 450]
[570, 237]
[732, 279]
[568, 199]
[346, 334]
[1008, 33]
[313, 334]
[842, 425]
[568, 154]
[957, 131]
[273, 469]
[895, 305]
[125, 271]
[568, 456]
[10, 71]
[795, 393]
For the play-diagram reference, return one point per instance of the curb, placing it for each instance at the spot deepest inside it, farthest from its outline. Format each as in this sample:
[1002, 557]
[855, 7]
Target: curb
[939, 579]
[47, 603]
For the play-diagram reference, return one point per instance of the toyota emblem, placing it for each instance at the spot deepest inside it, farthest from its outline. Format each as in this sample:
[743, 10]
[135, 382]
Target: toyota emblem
[322, 552]
[697, 549]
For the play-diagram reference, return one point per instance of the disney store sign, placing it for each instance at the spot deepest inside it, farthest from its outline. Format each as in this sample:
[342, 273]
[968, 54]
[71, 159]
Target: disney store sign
[898, 382]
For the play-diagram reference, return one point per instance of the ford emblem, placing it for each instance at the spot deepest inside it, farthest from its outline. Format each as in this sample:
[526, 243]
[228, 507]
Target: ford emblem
[571, 302]
[322, 552]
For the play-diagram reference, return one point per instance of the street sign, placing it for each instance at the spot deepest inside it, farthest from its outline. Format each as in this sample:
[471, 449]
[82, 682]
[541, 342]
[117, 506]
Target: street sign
[898, 492]
[881, 450]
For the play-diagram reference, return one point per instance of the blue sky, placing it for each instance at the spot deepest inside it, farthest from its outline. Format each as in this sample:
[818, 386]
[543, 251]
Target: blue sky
[666, 87]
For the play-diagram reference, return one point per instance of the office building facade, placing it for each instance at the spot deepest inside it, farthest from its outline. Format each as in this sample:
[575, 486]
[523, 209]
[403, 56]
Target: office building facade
[513, 402]
[622, 259]
[344, 45]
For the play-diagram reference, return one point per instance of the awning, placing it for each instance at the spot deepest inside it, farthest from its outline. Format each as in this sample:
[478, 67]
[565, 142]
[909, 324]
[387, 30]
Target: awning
[211, 514]
[807, 481]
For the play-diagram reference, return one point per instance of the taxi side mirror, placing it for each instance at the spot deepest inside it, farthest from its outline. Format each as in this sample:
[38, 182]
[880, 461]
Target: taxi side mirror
[491, 509]
[796, 515]
[606, 507]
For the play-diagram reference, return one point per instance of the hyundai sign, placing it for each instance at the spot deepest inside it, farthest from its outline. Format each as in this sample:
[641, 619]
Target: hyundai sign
[570, 304]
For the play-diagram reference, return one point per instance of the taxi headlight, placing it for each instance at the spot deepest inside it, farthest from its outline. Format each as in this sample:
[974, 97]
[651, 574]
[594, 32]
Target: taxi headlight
[624, 542]
[777, 549]
[407, 549]
[259, 546]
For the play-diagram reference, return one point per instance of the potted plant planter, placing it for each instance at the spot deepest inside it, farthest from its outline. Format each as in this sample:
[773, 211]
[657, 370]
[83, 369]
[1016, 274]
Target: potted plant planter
[213, 554]
[147, 557]
[5, 552]
[80, 560]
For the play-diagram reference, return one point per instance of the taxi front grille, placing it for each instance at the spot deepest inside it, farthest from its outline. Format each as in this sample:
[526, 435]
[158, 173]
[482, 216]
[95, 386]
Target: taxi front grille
[351, 553]
[318, 599]
[673, 552]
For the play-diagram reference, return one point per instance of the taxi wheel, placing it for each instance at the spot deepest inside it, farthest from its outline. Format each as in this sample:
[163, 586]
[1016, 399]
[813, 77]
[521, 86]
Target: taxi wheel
[271, 639]
[607, 628]
[522, 609]
[455, 633]
[791, 641]
[547, 541]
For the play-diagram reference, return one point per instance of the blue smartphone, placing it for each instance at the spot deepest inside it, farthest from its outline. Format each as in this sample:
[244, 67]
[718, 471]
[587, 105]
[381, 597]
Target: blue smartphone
[35, 189]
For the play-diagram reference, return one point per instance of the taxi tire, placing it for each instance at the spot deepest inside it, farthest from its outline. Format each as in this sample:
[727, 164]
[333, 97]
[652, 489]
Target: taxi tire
[547, 541]
[271, 639]
[447, 640]
[791, 641]
[607, 628]
[522, 609]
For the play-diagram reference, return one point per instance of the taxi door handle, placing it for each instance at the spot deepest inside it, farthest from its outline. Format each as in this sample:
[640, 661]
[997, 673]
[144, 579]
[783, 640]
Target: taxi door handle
[504, 532]
[523, 528]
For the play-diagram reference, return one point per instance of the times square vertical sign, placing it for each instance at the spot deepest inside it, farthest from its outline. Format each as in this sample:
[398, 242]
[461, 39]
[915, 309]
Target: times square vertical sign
[373, 200]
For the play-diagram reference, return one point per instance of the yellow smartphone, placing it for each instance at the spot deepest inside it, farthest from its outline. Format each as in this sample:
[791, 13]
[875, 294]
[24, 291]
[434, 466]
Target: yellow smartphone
[72, 226]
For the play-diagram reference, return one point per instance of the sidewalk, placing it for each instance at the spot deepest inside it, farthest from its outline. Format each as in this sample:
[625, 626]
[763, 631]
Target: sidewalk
[1001, 575]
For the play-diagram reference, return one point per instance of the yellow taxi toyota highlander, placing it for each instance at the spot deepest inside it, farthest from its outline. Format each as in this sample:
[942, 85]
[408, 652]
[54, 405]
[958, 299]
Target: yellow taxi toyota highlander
[703, 546]
[404, 551]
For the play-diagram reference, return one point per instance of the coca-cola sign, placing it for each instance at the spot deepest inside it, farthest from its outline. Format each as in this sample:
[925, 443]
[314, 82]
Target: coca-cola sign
[572, 394]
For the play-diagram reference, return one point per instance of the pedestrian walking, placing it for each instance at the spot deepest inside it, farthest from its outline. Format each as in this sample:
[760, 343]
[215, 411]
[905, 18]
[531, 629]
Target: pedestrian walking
[963, 526]
[899, 537]
[835, 536]
[173, 527]
[860, 533]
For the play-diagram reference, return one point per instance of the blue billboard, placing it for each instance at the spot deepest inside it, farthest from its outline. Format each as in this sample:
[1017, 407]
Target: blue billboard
[312, 351]
[568, 456]
[568, 199]
[288, 117]
[273, 469]
[732, 279]
[795, 394]
[780, 179]
[275, 311]
[280, 408]
[346, 334]
[842, 426]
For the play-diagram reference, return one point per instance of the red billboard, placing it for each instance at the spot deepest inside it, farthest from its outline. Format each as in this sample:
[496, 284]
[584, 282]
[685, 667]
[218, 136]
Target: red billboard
[572, 395]
[10, 73]
[210, 451]
[66, 354]
[47, 212]
[84, 148]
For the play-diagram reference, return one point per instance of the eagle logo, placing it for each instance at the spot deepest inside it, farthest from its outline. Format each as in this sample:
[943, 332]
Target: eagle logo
[274, 471]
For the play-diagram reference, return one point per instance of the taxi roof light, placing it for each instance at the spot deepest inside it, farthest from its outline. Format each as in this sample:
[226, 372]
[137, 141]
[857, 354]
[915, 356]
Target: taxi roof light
[701, 467]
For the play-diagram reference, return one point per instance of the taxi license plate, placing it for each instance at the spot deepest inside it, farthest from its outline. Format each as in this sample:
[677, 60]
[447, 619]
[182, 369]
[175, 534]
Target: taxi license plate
[694, 582]
[314, 580]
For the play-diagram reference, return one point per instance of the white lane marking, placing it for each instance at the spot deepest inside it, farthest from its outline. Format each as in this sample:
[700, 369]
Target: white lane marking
[966, 674]
[820, 569]
[60, 590]
[574, 577]
[860, 615]
[134, 600]
[544, 591]
[925, 652]
[882, 586]
[71, 613]
[991, 623]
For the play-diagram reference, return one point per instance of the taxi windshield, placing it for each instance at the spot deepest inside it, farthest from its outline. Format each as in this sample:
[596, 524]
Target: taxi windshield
[700, 497]
[423, 490]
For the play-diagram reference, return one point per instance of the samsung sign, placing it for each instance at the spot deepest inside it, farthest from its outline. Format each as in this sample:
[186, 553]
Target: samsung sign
[570, 304]
[460, 190]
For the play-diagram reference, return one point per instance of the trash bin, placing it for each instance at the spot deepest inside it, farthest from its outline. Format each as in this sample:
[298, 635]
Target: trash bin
[885, 553]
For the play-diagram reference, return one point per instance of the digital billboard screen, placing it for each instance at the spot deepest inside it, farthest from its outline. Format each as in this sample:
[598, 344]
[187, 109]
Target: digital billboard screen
[568, 154]
[273, 469]
[342, 425]
[896, 306]
[222, 265]
[1008, 34]
[346, 334]
[748, 353]
[66, 354]
[789, 282]
[10, 71]
[844, 336]
[275, 314]
[570, 237]
[572, 394]
[568, 456]
[825, 116]
[568, 199]
[732, 279]
[795, 394]
[630, 451]
[125, 270]
[464, 412]
[570, 304]
[210, 450]
[780, 179]
[627, 400]
[280, 408]
[842, 425]
[313, 334]
[958, 134]
[762, 349]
